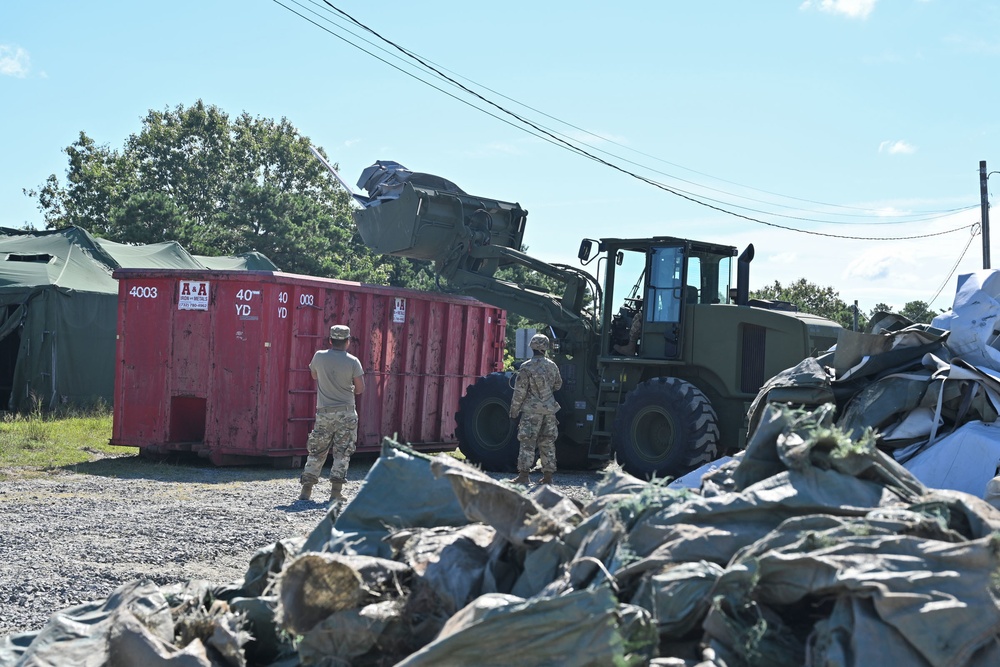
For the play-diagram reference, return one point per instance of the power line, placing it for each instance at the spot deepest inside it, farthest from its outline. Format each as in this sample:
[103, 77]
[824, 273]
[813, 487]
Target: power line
[576, 149]
[402, 71]
[436, 71]
[976, 228]
[547, 135]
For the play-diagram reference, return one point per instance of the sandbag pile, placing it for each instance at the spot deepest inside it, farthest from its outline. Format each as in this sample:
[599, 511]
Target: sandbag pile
[811, 547]
[930, 393]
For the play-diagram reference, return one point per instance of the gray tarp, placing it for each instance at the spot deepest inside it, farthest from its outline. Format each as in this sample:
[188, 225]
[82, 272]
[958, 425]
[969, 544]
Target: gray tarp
[928, 394]
[810, 547]
[133, 626]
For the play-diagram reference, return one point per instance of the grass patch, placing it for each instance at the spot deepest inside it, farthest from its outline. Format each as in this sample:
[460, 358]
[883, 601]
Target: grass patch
[37, 441]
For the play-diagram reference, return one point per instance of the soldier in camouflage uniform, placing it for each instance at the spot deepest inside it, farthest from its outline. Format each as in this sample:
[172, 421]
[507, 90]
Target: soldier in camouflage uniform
[537, 379]
[339, 379]
[634, 333]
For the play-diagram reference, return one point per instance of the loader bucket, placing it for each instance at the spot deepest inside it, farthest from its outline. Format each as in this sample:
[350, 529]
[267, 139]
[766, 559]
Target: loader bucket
[424, 223]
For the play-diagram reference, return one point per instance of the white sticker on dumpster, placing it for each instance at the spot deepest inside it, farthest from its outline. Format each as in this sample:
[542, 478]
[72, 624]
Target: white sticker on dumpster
[193, 295]
[399, 312]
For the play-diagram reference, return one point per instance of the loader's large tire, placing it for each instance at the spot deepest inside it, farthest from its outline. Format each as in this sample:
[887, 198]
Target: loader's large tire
[484, 430]
[665, 428]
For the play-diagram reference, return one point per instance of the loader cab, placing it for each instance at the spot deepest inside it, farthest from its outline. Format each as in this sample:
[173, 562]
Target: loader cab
[658, 280]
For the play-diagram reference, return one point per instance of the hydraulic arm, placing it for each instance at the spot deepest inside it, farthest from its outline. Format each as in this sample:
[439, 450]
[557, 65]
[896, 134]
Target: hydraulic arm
[468, 238]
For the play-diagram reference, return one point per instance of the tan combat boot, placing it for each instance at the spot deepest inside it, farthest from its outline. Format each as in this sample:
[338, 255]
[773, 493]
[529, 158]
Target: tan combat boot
[306, 491]
[336, 491]
[546, 478]
[522, 479]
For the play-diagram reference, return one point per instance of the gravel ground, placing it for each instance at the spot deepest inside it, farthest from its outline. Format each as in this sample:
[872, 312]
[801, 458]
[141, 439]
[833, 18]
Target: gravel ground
[68, 537]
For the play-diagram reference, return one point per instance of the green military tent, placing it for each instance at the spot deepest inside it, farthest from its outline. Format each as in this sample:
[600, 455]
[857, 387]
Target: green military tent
[59, 311]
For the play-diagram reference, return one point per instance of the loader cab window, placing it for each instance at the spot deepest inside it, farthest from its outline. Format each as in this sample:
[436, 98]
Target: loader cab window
[693, 293]
[708, 278]
[664, 294]
[629, 277]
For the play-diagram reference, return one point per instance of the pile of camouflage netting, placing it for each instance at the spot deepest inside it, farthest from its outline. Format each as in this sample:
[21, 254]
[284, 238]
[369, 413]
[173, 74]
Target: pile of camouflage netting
[809, 548]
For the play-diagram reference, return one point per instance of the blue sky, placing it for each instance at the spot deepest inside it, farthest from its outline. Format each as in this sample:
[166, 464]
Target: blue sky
[816, 120]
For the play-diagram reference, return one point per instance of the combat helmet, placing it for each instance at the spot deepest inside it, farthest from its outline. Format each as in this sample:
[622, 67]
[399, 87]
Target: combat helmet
[539, 342]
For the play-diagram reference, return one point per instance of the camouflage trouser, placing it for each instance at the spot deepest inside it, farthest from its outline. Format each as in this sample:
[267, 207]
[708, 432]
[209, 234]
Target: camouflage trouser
[336, 433]
[537, 431]
[635, 331]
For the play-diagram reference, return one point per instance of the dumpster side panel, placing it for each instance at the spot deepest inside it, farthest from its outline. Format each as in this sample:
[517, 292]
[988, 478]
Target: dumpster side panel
[299, 332]
[420, 373]
[454, 381]
[239, 356]
[382, 361]
[230, 378]
[143, 359]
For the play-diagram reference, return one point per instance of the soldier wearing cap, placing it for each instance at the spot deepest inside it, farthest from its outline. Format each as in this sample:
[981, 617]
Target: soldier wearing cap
[537, 379]
[339, 379]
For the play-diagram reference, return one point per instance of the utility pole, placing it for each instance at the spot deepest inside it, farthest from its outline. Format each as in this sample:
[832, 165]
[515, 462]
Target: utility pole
[985, 205]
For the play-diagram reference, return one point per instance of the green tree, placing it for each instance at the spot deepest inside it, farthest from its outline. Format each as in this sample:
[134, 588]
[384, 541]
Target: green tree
[918, 311]
[218, 186]
[880, 308]
[811, 298]
[915, 311]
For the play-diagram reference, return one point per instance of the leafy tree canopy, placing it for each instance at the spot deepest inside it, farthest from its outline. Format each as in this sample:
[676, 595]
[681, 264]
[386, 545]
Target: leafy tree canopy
[223, 186]
[915, 311]
[919, 311]
[522, 275]
[218, 186]
[811, 298]
[826, 302]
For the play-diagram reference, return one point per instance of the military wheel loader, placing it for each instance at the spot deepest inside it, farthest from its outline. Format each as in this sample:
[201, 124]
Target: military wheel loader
[678, 400]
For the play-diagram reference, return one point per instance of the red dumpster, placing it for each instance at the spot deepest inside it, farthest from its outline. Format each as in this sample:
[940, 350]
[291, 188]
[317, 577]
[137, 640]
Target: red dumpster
[217, 362]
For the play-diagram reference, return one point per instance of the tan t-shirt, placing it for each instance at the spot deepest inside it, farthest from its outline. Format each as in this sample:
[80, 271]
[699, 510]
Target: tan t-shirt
[335, 372]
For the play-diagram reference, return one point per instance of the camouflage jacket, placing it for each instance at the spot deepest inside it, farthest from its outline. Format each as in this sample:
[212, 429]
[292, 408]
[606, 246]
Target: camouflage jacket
[536, 380]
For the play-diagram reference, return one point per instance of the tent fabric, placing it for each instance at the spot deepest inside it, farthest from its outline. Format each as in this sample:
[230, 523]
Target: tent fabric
[172, 255]
[166, 255]
[929, 394]
[70, 259]
[133, 626]
[965, 460]
[977, 300]
[864, 565]
[66, 350]
[248, 261]
[59, 309]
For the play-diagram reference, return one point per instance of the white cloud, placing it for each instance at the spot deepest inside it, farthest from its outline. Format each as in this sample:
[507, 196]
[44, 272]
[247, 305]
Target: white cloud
[783, 258]
[13, 61]
[898, 147]
[351, 142]
[854, 9]
[871, 267]
[888, 211]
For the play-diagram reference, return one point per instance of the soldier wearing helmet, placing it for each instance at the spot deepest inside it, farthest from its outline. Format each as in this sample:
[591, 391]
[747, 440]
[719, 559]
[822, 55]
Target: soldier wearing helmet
[536, 381]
